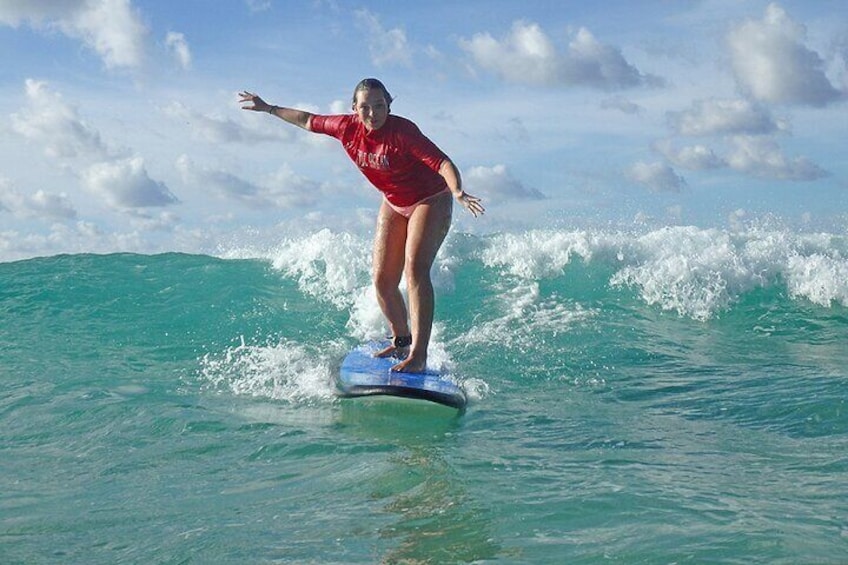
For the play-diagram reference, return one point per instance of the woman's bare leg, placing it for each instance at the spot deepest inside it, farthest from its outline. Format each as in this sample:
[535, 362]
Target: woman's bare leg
[388, 261]
[426, 230]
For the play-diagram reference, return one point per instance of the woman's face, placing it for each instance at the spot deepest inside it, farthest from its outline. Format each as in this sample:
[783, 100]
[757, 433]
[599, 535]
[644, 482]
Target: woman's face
[372, 108]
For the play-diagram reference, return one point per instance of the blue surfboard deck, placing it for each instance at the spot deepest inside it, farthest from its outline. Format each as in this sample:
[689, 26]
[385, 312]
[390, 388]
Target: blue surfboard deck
[362, 374]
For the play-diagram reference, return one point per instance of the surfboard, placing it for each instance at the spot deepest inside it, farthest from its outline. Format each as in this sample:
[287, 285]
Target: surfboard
[362, 374]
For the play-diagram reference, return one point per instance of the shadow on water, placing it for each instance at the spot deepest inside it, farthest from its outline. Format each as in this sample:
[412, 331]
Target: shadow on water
[399, 420]
[423, 509]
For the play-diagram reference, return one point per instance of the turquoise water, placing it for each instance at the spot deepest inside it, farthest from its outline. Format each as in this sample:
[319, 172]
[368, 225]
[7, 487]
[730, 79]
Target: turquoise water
[673, 396]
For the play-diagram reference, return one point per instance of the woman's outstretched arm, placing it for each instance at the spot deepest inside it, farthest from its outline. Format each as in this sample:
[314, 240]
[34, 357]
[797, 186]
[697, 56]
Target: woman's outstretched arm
[299, 118]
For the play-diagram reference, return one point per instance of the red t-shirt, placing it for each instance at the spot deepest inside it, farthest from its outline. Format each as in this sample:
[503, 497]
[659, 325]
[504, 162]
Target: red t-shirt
[397, 158]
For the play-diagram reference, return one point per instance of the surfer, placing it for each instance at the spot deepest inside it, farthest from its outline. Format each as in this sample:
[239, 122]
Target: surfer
[419, 183]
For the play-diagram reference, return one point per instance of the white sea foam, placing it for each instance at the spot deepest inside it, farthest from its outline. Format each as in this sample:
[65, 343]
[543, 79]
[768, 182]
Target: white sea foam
[284, 371]
[336, 267]
[538, 253]
[819, 278]
[328, 265]
[522, 318]
[692, 271]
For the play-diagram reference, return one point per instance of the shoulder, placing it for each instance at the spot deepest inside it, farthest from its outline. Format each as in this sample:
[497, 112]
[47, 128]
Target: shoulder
[332, 124]
[403, 127]
[400, 123]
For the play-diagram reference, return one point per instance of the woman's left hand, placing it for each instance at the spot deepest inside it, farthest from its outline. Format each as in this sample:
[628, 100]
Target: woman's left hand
[471, 203]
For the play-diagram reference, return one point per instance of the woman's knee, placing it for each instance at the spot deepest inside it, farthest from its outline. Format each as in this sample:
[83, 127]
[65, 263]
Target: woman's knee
[385, 282]
[417, 272]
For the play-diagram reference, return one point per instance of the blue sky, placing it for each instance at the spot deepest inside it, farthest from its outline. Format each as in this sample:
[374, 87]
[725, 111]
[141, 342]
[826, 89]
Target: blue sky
[121, 129]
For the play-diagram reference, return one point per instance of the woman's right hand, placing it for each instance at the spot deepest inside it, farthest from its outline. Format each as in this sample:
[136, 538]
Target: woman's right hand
[259, 105]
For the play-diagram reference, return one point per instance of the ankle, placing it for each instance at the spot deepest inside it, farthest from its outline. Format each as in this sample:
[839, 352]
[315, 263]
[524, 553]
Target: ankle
[401, 341]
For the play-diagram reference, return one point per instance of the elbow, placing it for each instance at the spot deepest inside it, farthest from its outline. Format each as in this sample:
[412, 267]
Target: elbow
[450, 173]
[447, 168]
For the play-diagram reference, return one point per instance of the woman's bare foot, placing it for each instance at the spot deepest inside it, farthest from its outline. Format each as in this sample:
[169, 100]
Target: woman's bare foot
[398, 347]
[393, 351]
[412, 364]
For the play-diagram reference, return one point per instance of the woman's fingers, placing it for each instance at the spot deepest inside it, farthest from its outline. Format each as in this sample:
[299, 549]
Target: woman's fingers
[472, 204]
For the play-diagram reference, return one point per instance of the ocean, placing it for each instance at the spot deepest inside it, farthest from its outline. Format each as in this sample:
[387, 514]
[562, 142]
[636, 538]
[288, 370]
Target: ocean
[673, 395]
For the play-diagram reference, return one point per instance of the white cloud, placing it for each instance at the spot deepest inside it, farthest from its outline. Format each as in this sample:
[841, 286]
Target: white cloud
[656, 177]
[723, 116]
[112, 28]
[220, 182]
[498, 184]
[258, 5]
[693, 157]
[15, 12]
[224, 130]
[754, 155]
[387, 47]
[162, 221]
[177, 44]
[121, 181]
[6, 192]
[42, 204]
[761, 156]
[339, 106]
[125, 183]
[51, 205]
[62, 238]
[283, 189]
[88, 237]
[621, 104]
[528, 55]
[772, 63]
[47, 120]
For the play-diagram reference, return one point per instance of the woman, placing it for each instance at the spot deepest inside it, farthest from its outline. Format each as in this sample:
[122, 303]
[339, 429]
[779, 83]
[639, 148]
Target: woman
[418, 182]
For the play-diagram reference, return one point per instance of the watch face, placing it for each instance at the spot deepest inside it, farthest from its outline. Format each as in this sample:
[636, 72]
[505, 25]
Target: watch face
[402, 341]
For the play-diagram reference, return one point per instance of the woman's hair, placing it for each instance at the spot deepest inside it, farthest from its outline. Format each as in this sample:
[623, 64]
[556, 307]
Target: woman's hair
[373, 84]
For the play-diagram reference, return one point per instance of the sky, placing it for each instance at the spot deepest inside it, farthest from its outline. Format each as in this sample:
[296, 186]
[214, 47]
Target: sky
[120, 127]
